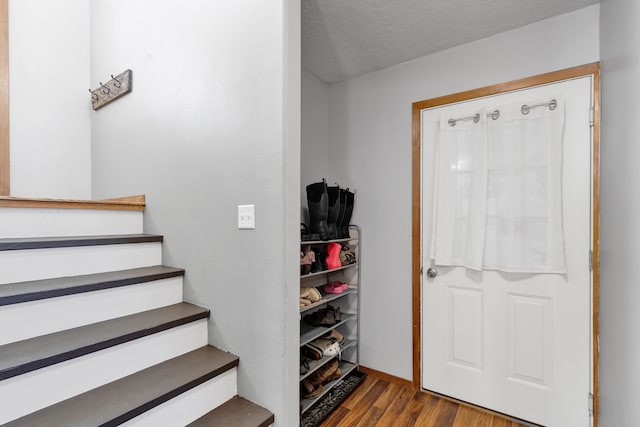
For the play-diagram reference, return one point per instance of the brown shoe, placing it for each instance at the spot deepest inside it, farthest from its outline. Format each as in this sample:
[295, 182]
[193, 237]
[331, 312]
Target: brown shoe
[313, 393]
[329, 372]
[327, 316]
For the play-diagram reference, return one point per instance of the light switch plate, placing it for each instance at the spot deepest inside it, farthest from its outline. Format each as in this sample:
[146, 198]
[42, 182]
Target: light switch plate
[246, 217]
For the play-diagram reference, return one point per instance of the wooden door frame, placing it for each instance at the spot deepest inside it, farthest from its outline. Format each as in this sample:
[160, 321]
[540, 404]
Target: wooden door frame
[4, 98]
[570, 73]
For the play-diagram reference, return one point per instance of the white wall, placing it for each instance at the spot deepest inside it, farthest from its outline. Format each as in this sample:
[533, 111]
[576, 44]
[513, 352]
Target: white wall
[50, 108]
[213, 122]
[370, 147]
[619, 210]
[314, 163]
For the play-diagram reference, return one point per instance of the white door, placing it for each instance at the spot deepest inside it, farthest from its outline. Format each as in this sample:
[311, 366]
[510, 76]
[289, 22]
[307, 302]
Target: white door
[516, 343]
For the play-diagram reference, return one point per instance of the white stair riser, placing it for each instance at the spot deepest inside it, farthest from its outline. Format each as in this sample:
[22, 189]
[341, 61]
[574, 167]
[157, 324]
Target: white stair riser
[41, 388]
[36, 264]
[191, 405]
[34, 318]
[19, 222]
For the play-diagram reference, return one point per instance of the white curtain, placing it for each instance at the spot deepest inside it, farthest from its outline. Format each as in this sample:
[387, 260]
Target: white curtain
[498, 198]
[460, 192]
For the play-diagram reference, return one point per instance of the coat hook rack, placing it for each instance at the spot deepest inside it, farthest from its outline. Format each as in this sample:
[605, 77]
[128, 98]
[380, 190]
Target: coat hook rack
[113, 89]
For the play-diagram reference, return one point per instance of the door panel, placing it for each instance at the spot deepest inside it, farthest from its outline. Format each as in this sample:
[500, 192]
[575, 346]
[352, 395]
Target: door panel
[516, 343]
[529, 339]
[465, 327]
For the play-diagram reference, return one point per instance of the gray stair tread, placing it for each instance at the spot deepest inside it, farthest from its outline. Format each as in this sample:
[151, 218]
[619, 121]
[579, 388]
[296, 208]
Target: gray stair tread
[14, 293]
[115, 403]
[237, 412]
[35, 353]
[71, 241]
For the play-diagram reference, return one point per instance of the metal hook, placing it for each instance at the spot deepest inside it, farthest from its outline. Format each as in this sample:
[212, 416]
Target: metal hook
[105, 89]
[94, 95]
[117, 82]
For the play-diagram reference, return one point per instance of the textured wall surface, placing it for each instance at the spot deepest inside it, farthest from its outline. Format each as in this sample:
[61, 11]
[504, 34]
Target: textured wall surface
[620, 209]
[343, 39]
[50, 108]
[211, 124]
[314, 154]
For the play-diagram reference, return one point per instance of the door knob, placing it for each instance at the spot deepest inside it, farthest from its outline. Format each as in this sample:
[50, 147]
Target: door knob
[431, 272]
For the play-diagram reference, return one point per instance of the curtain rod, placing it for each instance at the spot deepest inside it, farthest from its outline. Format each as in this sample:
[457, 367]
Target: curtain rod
[525, 109]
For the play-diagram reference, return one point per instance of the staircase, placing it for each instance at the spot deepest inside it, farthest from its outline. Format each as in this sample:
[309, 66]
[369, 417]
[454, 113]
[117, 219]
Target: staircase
[93, 329]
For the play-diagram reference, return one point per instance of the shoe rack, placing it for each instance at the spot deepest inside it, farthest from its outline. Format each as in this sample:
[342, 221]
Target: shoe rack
[348, 301]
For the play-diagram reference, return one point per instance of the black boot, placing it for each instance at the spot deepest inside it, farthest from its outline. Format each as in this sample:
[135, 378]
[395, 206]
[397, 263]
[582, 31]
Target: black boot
[348, 210]
[343, 205]
[318, 201]
[334, 211]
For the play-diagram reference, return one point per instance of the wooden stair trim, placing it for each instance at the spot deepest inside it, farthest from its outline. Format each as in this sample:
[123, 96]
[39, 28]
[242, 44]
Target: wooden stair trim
[236, 412]
[16, 293]
[35, 353]
[128, 203]
[138, 199]
[121, 400]
[75, 241]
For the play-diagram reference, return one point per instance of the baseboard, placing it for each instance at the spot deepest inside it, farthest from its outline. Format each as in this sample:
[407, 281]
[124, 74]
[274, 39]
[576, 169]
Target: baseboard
[387, 377]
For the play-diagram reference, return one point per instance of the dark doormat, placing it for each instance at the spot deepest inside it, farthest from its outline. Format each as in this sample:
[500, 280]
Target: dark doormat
[330, 401]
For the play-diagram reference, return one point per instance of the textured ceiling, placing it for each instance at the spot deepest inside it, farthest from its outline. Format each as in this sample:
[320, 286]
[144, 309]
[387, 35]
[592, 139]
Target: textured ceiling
[342, 39]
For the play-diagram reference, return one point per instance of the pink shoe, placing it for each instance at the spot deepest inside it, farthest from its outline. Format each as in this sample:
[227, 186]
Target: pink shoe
[336, 287]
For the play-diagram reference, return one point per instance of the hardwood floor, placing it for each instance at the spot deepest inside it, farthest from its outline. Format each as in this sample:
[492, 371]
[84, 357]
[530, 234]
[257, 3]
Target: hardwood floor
[380, 403]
